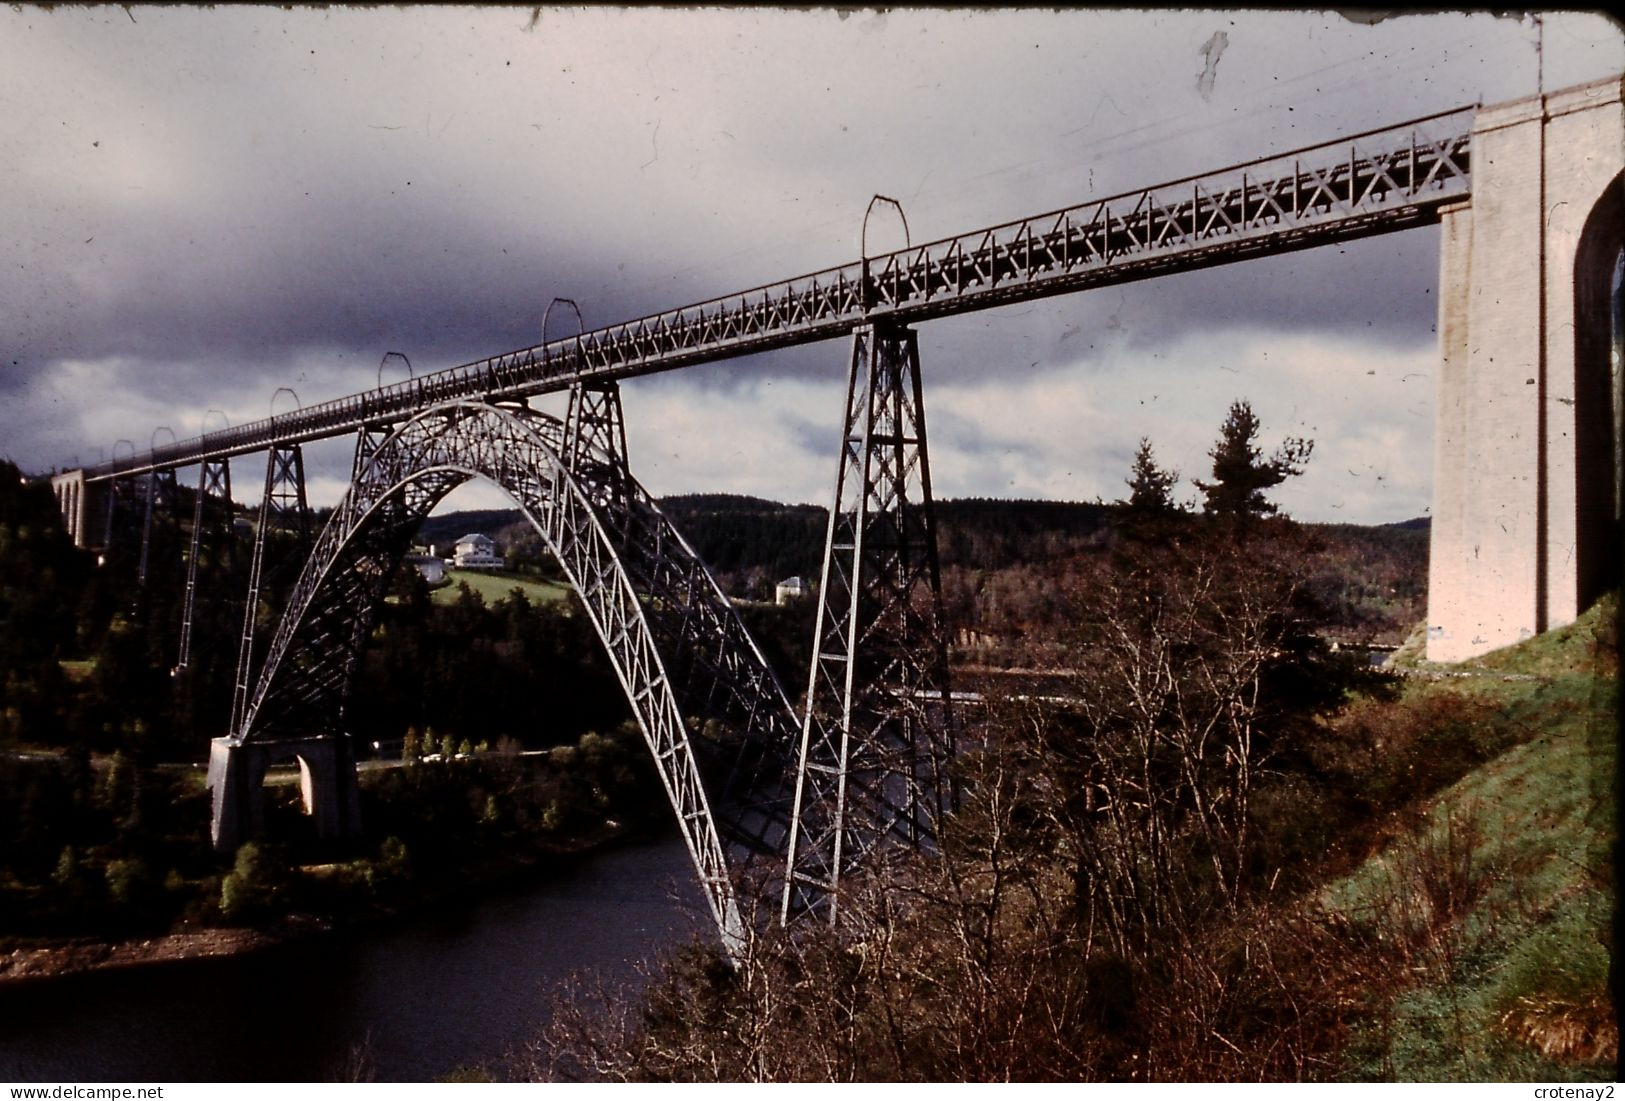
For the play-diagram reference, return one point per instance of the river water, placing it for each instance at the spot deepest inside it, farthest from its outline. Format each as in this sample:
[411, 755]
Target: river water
[455, 987]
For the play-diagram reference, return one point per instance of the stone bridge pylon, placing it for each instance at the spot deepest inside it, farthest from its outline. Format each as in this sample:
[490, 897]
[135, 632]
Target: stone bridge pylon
[1527, 451]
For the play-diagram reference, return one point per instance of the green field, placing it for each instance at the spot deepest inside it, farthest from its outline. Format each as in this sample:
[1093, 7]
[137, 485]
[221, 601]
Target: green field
[493, 585]
[78, 672]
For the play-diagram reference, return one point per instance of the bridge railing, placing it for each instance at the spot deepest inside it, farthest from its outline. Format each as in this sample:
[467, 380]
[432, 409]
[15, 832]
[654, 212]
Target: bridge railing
[1368, 176]
[1372, 182]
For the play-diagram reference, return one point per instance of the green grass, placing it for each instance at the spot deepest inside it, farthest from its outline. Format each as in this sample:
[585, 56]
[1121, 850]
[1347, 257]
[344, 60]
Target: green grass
[494, 586]
[78, 672]
[1566, 651]
[1413, 651]
[1520, 931]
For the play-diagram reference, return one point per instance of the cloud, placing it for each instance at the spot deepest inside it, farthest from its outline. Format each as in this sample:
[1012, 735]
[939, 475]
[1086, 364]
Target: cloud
[206, 204]
[1070, 432]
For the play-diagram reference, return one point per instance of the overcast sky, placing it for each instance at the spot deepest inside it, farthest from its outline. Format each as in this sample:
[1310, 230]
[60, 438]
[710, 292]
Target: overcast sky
[200, 206]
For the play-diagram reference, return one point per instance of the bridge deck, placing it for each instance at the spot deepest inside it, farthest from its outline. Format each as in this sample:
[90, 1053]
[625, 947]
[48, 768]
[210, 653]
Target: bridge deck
[1380, 181]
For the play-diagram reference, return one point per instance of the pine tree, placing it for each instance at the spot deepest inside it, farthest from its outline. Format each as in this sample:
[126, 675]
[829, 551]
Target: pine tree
[1151, 488]
[1241, 474]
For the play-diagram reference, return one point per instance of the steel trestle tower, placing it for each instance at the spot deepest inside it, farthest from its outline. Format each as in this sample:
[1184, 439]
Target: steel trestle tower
[874, 757]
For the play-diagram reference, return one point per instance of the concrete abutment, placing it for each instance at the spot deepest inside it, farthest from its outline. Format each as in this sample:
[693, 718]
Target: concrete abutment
[327, 786]
[1527, 465]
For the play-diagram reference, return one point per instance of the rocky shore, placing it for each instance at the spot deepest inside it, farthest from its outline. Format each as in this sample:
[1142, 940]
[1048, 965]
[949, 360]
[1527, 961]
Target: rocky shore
[77, 957]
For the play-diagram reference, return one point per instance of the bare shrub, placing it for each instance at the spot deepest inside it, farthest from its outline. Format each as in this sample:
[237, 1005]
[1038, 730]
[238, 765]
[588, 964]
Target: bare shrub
[1194, 667]
[1399, 753]
[359, 1064]
[1431, 883]
[1096, 909]
[1566, 1029]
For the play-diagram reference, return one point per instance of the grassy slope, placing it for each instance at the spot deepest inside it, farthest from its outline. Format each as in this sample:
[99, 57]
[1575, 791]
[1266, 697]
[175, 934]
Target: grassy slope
[493, 587]
[1511, 950]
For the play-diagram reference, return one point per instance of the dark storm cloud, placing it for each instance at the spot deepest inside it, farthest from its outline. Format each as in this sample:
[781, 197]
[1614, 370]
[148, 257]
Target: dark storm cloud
[351, 272]
[315, 234]
[1383, 289]
[203, 205]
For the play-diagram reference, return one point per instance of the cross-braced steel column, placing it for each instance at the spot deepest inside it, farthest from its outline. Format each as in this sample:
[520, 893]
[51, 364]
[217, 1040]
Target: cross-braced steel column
[281, 509]
[876, 739]
[115, 490]
[368, 438]
[121, 524]
[162, 494]
[595, 441]
[211, 512]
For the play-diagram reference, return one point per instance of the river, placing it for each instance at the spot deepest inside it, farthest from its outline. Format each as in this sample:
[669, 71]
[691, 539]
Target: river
[453, 987]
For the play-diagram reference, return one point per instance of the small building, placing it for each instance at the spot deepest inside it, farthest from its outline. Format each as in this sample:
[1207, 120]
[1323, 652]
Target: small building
[432, 568]
[477, 552]
[791, 588]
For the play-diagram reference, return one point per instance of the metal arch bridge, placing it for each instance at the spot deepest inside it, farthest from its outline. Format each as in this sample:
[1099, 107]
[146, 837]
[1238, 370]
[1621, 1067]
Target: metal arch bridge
[675, 642]
[869, 758]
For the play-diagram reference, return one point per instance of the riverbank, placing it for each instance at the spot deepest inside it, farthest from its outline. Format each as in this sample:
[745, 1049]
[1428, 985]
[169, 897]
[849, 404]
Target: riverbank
[412, 998]
[497, 872]
[59, 961]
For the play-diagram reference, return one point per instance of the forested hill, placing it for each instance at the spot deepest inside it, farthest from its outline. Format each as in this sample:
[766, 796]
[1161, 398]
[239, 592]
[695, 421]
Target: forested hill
[1373, 578]
[733, 532]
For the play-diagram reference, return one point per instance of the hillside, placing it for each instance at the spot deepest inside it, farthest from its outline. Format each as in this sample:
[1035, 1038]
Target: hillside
[1001, 560]
[1477, 932]
[493, 586]
[1180, 866]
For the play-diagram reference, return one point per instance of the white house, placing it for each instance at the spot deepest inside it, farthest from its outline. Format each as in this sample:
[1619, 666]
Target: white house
[477, 552]
[791, 588]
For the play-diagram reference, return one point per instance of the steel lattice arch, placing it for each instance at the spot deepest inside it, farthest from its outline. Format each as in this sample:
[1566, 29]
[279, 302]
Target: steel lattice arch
[678, 648]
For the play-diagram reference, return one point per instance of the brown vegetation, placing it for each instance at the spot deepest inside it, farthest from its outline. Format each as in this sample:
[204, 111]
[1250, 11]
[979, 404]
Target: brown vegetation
[1583, 1031]
[1138, 886]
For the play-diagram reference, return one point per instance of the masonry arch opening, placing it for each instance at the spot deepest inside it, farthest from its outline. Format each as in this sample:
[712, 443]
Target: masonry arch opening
[1599, 335]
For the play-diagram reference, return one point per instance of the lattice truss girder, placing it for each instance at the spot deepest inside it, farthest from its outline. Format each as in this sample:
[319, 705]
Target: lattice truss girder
[669, 632]
[1375, 182]
[876, 739]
